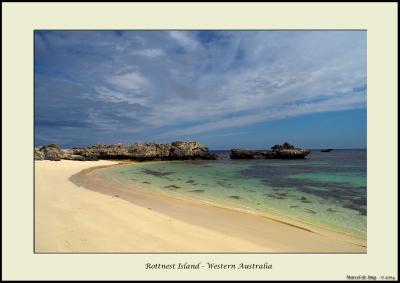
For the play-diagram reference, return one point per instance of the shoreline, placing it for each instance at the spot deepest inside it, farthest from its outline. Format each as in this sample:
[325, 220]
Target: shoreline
[310, 227]
[70, 219]
[90, 179]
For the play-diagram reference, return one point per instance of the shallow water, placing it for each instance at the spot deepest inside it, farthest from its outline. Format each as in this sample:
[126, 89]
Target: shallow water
[326, 189]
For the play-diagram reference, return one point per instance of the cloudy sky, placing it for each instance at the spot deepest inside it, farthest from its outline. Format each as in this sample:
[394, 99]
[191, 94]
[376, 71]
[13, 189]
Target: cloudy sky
[223, 88]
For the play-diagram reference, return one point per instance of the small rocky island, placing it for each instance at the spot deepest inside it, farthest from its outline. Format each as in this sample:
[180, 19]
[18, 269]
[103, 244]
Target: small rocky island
[145, 151]
[285, 151]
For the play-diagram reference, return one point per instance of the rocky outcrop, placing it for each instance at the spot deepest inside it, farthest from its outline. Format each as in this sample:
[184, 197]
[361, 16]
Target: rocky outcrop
[285, 151]
[49, 152]
[69, 155]
[288, 151]
[38, 154]
[250, 154]
[193, 150]
[145, 151]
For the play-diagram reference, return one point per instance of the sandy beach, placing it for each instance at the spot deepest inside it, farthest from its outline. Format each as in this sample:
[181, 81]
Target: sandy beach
[98, 216]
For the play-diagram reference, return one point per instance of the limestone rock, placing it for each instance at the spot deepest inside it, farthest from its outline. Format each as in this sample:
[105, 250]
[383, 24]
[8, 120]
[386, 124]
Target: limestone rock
[144, 151]
[52, 152]
[285, 151]
[38, 154]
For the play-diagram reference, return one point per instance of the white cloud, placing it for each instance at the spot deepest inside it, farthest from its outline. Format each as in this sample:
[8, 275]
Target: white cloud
[287, 111]
[112, 96]
[150, 53]
[244, 78]
[184, 39]
[130, 81]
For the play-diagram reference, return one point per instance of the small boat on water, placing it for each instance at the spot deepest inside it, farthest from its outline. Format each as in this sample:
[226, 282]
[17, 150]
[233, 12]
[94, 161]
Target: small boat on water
[326, 150]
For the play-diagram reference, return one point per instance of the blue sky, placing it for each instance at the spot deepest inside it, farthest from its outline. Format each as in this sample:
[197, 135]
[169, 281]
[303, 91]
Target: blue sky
[225, 89]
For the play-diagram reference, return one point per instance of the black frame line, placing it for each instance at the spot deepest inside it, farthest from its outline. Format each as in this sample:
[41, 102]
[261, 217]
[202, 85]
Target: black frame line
[242, 2]
[175, 253]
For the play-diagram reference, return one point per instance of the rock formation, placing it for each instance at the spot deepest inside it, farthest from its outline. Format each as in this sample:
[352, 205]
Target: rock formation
[49, 152]
[145, 151]
[38, 154]
[288, 151]
[285, 151]
[250, 154]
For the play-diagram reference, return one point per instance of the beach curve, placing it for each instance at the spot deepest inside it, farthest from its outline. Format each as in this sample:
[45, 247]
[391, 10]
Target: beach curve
[102, 217]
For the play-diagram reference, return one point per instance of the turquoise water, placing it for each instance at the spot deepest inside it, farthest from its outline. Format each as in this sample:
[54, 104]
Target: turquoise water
[326, 189]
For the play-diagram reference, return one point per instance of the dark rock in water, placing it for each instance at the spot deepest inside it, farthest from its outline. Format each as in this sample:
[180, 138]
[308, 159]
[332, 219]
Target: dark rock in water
[172, 186]
[294, 206]
[350, 204]
[310, 211]
[145, 182]
[250, 154]
[274, 196]
[156, 173]
[196, 191]
[223, 184]
[285, 151]
[361, 201]
[362, 211]
[235, 197]
[242, 154]
[326, 150]
[305, 200]
[278, 197]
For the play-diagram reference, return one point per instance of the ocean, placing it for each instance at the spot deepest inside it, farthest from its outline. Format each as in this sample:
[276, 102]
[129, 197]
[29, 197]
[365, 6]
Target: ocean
[326, 190]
